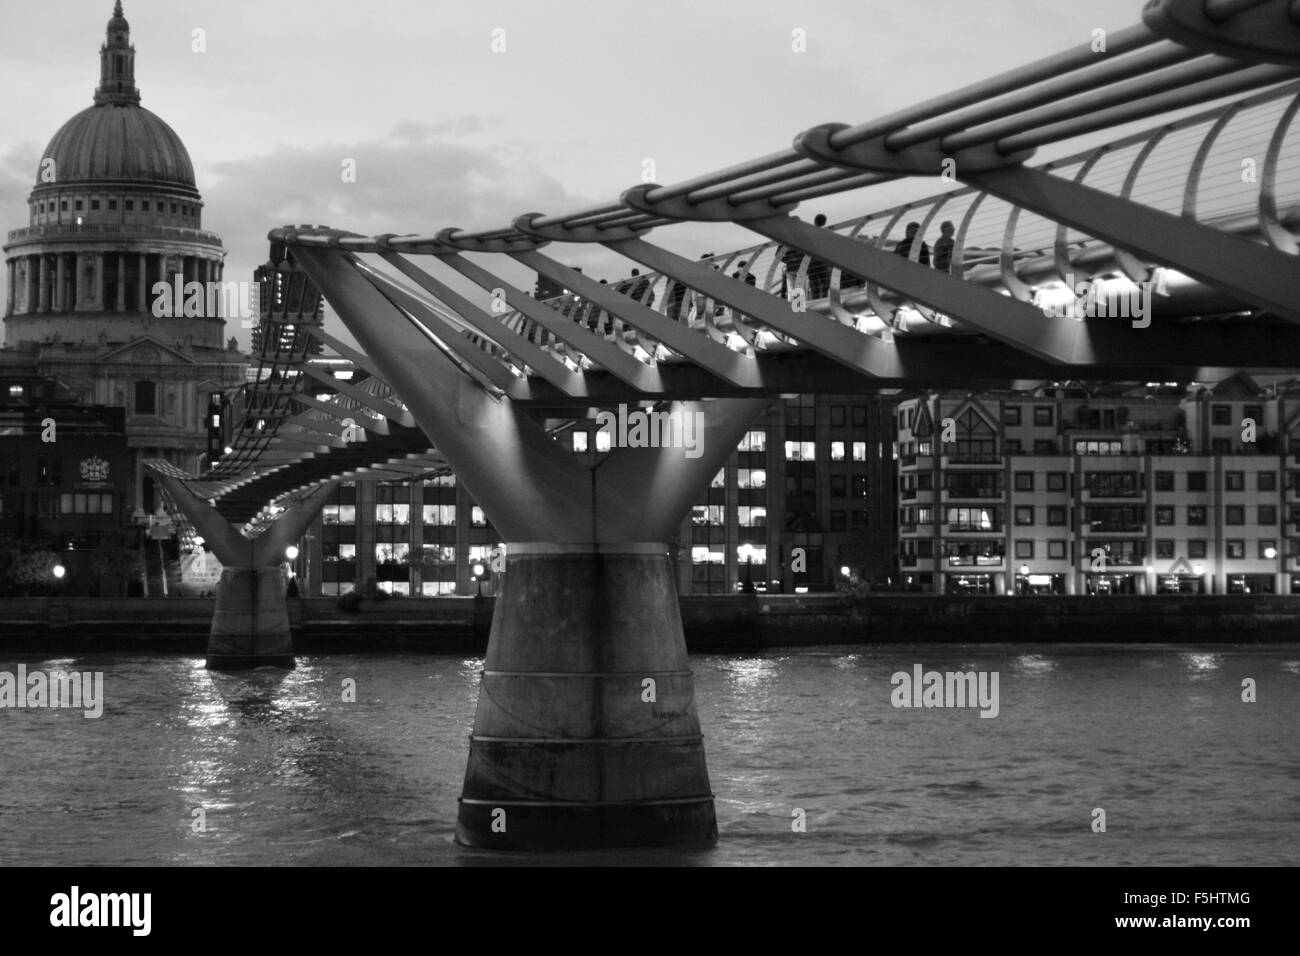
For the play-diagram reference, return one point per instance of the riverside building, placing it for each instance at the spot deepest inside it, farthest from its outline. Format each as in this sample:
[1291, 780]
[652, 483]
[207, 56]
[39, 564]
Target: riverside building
[1079, 489]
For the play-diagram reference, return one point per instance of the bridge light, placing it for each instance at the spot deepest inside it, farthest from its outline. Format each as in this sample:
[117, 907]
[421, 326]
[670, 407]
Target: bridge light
[59, 572]
[291, 552]
[478, 569]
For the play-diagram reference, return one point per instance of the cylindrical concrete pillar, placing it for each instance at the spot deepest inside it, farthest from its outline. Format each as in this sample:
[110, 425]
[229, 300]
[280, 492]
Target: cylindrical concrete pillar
[586, 733]
[250, 624]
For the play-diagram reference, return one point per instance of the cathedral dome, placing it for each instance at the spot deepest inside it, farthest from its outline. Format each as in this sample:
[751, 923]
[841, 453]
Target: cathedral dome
[117, 140]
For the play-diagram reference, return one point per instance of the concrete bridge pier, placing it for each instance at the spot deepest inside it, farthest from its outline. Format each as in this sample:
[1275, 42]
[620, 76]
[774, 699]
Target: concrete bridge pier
[586, 733]
[250, 624]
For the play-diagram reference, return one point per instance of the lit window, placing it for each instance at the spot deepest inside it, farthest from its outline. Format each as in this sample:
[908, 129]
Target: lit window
[837, 451]
[602, 440]
[477, 518]
[579, 441]
[859, 451]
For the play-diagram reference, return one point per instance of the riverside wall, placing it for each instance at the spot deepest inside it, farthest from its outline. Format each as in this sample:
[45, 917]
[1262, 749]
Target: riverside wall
[461, 625]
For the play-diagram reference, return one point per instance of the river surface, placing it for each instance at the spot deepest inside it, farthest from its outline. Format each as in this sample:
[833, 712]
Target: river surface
[285, 772]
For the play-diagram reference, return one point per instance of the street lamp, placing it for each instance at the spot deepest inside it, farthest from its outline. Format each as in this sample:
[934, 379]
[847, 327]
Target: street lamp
[59, 572]
[478, 570]
[1270, 553]
[845, 571]
[291, 552]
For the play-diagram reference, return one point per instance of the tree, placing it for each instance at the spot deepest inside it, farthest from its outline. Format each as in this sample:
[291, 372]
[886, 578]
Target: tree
[34, 570]
[116, 560]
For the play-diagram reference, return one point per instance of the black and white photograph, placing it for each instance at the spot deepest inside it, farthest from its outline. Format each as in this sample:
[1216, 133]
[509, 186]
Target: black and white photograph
[574, 435]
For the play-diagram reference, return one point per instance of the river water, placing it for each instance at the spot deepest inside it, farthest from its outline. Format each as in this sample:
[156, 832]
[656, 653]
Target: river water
[285, 772]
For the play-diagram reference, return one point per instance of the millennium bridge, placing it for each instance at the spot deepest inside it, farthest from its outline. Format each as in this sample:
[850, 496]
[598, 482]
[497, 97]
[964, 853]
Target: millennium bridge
[1170, 254]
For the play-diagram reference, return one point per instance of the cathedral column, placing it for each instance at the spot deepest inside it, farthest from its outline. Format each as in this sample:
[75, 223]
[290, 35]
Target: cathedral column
[11, 273]
[99, 284]
[43, 300]
[142, 302]
[121, 283]
[60, 283]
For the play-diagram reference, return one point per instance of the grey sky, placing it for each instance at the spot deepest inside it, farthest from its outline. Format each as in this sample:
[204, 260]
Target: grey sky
[444, 131]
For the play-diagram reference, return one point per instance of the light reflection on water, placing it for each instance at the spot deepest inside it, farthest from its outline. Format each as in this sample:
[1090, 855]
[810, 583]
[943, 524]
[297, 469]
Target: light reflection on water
[286, 771]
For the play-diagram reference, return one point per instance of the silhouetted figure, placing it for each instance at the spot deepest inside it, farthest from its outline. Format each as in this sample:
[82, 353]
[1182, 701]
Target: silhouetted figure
[740, 273]
[904, 248]
[943, 247]
[819, 273]
[641, 289]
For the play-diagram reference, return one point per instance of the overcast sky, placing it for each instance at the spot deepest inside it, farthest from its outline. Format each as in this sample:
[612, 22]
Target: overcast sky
[446, 132]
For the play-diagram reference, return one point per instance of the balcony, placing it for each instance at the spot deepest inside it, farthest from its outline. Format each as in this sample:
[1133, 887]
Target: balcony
[118, 229]
[973, 494]
[983, 461]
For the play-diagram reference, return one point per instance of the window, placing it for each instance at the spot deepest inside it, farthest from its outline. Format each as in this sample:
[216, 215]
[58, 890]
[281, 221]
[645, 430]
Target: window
[63, 205]
[1056, 481]
[1196, 548]
[1013, 446]
[837, 416]
[49, 471]
[839, 486]
[1111, 518]
[751, 478]
[1221, 414]
[1164, 548]
[751, 516]
[1010, 414]
[1024, 549]
[859, 486]
[1055, 515]
[1267, 514]
[1113, 484]
[144, 205]
[800, 451]
[1236, 549]
[112, 204]
[477, 519]
[94, 205]
[859, 451]
[146, 398]
[80, 205]
[859, 416]
[837, 451]
[754, 441]
[719, 480]
[579, 441]
[1165, 514]
[86, 504]
[1266, 480]
[976, 440]
[1234, 514]
[1056, 550]
[1043, 415]
[173, 209]
[1234, 480]
[1265, 547]
[1255, 413]
[439, 515]
[1164, 480]
[974, 519]
[1043, 446]
[838, 521]
[1024, 481]
[1196, 481]
[130, 205]
[1196, 514]
[1024, 516]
